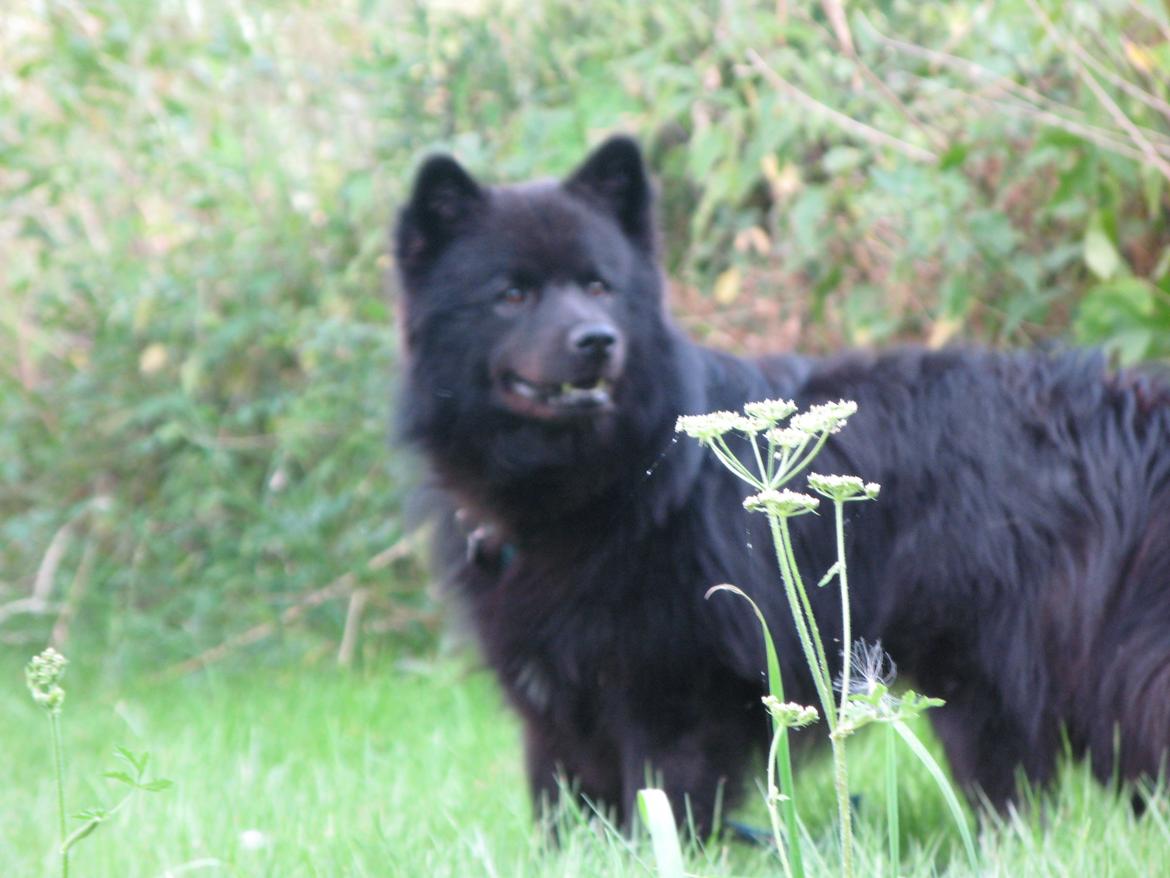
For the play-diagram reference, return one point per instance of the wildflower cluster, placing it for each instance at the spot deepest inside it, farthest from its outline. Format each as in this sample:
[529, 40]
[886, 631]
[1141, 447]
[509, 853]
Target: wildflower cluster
[771, 410]
[709, 427]
[843, 488]
[828, 417]
[43, 675]
[784, 504]
[781, 442]
[790, 440]
[789, 714]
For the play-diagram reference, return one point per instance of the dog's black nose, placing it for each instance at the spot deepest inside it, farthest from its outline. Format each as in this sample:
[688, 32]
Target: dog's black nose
[592, 339]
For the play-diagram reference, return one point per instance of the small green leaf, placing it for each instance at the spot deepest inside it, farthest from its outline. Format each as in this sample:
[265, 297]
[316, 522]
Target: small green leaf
[1101, 256]
[156, 786]
[136, 761]
[829, 574]
[120, 777]
[954, 156]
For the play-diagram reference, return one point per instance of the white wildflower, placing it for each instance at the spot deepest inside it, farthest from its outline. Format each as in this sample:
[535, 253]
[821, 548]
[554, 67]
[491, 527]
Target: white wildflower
[842, 488]
[828, 417]
[710, 426]
[786, 437]
[782, 503]
[773, 411]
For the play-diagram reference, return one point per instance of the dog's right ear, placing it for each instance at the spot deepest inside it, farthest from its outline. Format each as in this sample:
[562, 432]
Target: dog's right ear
[444, 198]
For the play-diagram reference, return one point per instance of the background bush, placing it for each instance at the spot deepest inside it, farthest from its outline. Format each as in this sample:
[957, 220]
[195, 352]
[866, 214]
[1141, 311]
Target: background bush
[196, 351]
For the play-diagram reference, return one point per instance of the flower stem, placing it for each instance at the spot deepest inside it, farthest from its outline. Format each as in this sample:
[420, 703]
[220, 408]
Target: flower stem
[819, 667]
[59, 770]
[846, 617]
[790, 575]
[844, 812]
[842, 768]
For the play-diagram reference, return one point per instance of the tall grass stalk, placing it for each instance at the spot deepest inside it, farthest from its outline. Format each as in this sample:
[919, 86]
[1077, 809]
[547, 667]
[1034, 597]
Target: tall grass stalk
[893, 829]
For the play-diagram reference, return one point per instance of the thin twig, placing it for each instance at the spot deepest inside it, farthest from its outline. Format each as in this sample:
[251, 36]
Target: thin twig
[353, 621]
[60, 633]
[1119, 116]
[1102, 137]
[1150, 100]
[835, 12]
[1141, 10]
[339, 587]
[859, 129]
[47, 570]
[974, 71]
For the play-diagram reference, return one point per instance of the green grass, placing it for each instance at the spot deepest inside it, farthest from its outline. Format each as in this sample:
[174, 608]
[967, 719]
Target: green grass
[396, 772]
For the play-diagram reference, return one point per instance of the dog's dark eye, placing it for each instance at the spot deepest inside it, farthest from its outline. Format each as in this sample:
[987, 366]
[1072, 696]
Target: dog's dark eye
[598, 287]
[513, 296]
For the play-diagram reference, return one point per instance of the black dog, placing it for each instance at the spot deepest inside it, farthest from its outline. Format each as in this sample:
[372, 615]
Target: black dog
[1017, 563]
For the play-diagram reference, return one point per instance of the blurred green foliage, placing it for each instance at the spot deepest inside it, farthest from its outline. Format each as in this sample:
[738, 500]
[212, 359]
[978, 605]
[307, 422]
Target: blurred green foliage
[196, 352]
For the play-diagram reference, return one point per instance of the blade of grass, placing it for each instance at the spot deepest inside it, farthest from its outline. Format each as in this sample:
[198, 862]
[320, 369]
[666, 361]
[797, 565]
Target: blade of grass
[659, 819]
[944, 787]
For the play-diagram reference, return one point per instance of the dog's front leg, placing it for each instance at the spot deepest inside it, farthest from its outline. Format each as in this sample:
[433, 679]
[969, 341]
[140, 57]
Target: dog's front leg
[561, 761]
[699, 767]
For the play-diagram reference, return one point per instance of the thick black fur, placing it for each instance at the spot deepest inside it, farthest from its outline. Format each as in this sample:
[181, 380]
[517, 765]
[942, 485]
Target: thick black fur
[1017, 563]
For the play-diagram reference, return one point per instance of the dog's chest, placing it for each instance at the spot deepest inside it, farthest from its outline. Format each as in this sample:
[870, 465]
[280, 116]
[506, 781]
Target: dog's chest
[557, 639]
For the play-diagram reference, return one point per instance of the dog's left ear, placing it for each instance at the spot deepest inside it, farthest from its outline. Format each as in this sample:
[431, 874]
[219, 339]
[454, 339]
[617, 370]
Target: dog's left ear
[614, 178]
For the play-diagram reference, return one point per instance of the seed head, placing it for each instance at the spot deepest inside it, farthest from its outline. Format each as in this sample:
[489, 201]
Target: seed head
[789, 714]
[872, 668]
[43, 674]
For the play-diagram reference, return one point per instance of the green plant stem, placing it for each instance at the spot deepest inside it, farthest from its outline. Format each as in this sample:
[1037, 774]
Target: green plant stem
[814, 650]
[728, 459]
[846, 615]
[817, 662]
[759, 460]
[93, 823]
[59, 770]
[779, 535]
[807, 459]
[844, 812]
[841, 779]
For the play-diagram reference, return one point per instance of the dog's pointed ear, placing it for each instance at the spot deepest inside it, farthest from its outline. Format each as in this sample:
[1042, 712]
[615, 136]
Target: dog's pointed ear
[614, 178]
[444, 198]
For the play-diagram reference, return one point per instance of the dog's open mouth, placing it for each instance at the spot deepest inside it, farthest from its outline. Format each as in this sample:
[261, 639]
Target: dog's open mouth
[580, 397]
